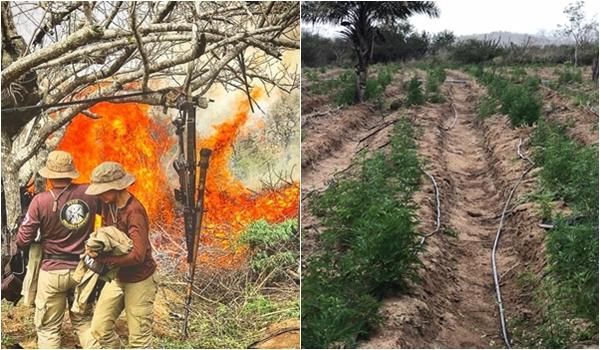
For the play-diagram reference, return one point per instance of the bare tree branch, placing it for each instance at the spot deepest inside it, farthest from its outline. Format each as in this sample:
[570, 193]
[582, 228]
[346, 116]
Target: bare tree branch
[140, 47]
[18, 68]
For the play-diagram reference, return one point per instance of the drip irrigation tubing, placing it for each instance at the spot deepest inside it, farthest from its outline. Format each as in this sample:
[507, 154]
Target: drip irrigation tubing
[501, 310]
[438, 211]
[438, 216]
[453, 110]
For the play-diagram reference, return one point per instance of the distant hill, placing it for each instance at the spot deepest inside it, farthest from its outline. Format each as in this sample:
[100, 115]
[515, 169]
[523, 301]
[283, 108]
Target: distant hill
[518, 38]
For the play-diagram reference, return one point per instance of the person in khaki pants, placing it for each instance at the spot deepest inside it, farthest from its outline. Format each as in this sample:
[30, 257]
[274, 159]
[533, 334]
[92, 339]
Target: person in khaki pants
[64, 217]
[135, 287]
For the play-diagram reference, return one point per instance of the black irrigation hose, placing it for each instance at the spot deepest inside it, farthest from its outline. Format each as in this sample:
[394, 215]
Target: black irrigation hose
[504, 330]
[453, 110]
[438, 217]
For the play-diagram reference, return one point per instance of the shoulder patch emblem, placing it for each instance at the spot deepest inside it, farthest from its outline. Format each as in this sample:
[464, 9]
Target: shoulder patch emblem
[74, 214]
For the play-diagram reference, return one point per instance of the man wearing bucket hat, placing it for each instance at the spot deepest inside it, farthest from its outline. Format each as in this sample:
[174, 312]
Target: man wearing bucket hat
[136, 284]
[64, 217]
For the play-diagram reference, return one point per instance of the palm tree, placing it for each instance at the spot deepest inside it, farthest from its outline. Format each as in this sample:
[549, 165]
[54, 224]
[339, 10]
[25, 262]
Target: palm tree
[361, 21]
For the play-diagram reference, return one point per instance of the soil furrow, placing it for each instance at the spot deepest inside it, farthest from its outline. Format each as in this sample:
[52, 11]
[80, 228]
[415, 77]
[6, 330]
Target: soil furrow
[453, 305]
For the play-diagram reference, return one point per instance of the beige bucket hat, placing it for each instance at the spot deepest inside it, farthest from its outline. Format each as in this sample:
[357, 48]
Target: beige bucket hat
[109, 176]
[59, 165]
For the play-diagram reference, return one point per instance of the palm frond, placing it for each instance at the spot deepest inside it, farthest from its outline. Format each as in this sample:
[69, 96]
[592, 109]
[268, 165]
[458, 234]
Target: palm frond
[334, 12]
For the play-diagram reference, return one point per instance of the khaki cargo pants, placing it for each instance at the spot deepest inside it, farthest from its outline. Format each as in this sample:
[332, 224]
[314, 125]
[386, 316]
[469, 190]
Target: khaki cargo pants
[50, 305]
[137, 299]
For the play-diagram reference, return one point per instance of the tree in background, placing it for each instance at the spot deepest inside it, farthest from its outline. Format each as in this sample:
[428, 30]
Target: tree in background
[579, 28]
[400, 42]
[442, 41]
[473, 51]
[318, 51]
[362, 21]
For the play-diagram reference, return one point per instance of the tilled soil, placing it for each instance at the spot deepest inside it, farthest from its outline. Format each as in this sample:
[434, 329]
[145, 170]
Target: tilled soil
[475, 164]
[582, 124]
[329, 145]
[453, 306]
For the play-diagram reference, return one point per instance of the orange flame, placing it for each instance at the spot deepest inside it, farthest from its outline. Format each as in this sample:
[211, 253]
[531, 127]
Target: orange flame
[127, 134]
[228, 200]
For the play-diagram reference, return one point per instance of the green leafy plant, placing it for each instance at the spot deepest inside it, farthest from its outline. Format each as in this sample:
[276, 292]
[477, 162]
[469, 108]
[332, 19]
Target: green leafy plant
[368, 245]
[487, 106]
[373, 91]
[311, 74]
[272, 246]
[568, 296]
[521, 104]
[435, 78]
[414, 92]
[569, 74]
[520, 101]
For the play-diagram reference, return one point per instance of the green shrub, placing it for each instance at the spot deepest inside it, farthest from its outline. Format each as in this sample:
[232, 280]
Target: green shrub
[555, 327]
[373, 90]
[521, 104]
[367, 246]
[435, 78]
[487, 106]
[573, 251]
[475, 51]
[570, 169]
[311, 75]
[344, 91]
[272, 246]
[569, 75]
[520, 101]
[518, 74]
[414, 92]
[347, 95]
[570, 293]
[384, 77]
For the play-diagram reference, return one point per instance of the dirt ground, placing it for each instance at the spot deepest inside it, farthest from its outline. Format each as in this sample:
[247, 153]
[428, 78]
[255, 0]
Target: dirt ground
[583, 123]
[454, 305]
[475, 164]
[329, 144]
[283, 332]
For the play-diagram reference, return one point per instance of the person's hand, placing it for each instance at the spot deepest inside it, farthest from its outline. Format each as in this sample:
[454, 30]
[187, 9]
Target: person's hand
[89, 252]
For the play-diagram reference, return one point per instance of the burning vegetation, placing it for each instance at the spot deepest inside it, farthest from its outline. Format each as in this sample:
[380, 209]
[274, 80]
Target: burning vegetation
[129, 133]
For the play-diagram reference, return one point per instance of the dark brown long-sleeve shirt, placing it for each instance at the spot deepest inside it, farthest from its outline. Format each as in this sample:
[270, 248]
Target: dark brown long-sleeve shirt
[63, 231]
[133, 220]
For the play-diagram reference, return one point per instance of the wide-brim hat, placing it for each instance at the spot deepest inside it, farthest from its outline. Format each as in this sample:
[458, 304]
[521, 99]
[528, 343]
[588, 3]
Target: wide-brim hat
[59, 165]
[109, 176]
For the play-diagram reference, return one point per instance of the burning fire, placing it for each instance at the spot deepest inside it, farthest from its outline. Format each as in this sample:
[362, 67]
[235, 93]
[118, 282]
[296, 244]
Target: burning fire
[229, 202]
[127, 134]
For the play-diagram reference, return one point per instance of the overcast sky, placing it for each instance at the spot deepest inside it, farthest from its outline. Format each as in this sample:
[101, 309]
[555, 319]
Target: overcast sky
[478, 17]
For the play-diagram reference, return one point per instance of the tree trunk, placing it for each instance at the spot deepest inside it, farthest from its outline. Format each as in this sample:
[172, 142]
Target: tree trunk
[576, 54]
[361, 79]
[595, 70]
[12, 195]
[10, 185]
